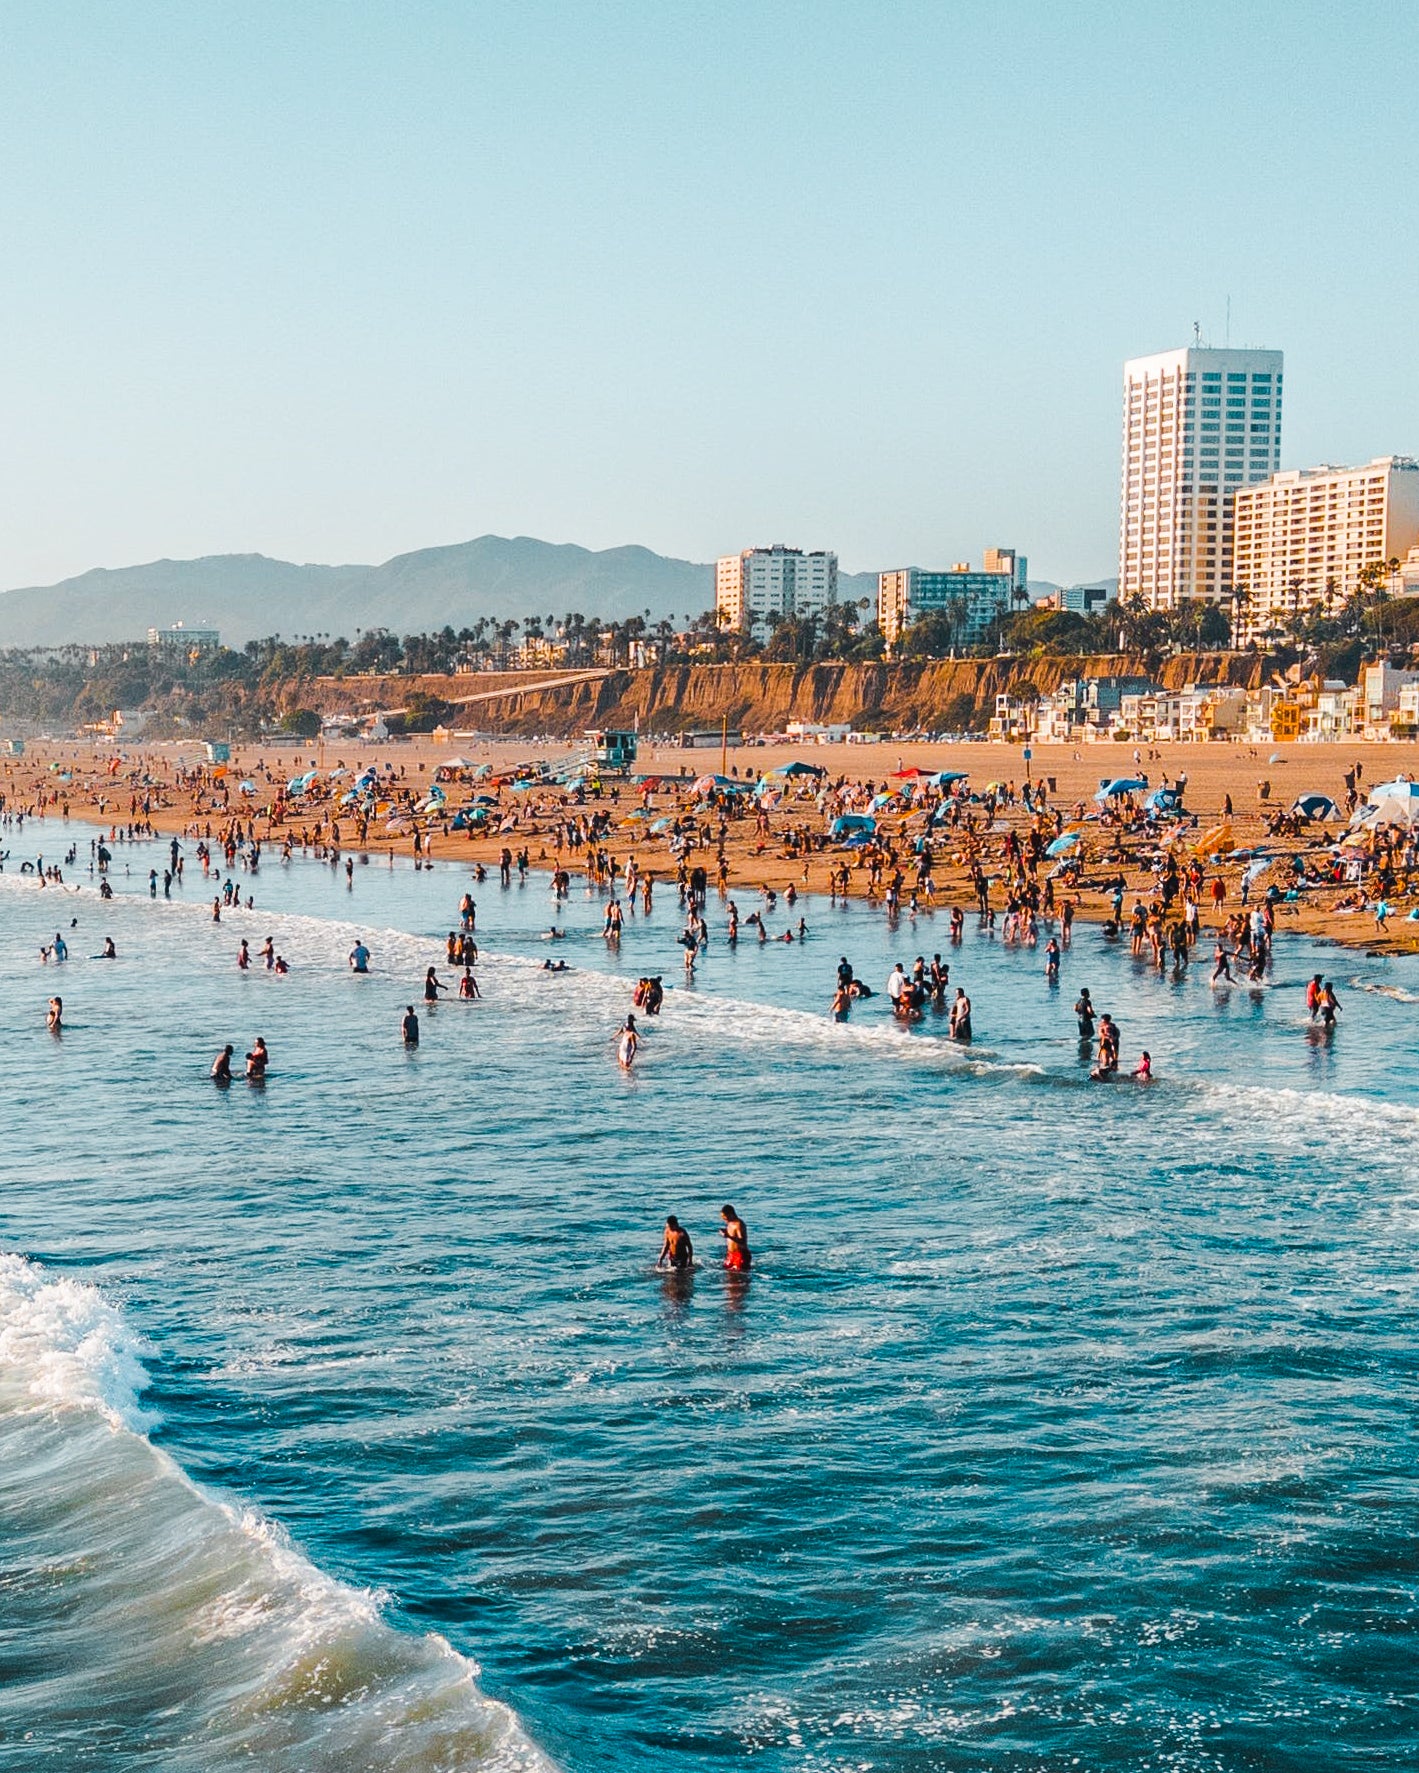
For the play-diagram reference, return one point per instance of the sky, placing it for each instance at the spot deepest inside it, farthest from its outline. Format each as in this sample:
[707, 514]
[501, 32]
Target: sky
[332, 282]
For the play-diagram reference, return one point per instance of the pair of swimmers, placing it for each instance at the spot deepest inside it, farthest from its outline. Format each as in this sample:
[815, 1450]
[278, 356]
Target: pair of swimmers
[677, 1252]
[256, 1062]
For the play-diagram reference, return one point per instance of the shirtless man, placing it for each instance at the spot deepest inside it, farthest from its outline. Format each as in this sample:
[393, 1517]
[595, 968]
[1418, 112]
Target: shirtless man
[677, 1250]
[222, 1065]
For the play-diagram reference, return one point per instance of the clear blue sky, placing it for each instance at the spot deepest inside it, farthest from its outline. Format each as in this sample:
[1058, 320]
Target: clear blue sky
[332, 281]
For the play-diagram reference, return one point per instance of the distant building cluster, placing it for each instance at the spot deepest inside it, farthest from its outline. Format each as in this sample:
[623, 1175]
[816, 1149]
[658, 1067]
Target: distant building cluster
[1384, 704]
[1207, 514]
[756, 589]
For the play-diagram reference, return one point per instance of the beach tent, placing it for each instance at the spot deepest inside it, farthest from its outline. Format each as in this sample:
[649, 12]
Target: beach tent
[799, 769]
[457, 763]
[852, 825]
[1164, 800]
[247, 787]
[1315, 806]
[1121, 785]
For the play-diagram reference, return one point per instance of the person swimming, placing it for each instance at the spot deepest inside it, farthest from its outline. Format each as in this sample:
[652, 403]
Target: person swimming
[735, 1233]
[676, 1251]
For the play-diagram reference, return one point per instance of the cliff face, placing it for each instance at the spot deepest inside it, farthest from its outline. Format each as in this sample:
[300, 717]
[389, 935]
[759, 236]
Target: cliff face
[764, 698]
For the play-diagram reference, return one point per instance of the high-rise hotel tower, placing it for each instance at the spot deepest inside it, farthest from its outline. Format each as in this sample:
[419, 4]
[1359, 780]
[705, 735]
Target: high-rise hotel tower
[1197, 424]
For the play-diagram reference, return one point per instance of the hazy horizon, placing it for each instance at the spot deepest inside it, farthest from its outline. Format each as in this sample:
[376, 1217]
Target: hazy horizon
[332, 286]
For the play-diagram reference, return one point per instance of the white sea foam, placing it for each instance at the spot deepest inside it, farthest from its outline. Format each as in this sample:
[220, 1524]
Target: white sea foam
[191, 1623]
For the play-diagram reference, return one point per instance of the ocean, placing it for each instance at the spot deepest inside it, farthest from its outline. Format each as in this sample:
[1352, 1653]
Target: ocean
[345, 1423]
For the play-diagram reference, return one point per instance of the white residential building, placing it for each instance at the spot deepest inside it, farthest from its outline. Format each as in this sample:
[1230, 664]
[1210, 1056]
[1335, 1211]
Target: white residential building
[1303, 538]
[754, 588]
[1197, 425]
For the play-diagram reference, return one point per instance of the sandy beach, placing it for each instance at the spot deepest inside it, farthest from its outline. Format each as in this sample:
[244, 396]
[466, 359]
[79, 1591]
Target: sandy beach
[1260, 783]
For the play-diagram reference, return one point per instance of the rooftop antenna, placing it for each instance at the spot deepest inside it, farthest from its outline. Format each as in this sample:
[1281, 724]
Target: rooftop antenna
[1196, 332]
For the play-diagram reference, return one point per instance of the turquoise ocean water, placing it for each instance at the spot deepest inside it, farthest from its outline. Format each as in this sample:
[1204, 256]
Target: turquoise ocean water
[344, 1423]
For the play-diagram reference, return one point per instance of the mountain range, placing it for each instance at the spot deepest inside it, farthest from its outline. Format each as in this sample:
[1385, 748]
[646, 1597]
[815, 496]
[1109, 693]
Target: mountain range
[248, 596]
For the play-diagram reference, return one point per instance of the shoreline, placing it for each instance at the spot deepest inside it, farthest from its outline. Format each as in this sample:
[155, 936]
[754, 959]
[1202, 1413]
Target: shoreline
[756, 862]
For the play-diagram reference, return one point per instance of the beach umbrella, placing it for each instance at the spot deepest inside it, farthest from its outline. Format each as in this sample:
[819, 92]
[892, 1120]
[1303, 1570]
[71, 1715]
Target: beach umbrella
[458, 763]
[1063, 844]
[944, 778]
[247, 787]
[799, 769]
[1216, 842]
[1121, 785]
[908, 775]
[852, 825]
[660, 825]
[1393, 803]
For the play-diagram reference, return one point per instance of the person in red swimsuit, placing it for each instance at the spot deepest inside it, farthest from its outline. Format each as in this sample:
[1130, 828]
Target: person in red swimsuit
[736, 1235]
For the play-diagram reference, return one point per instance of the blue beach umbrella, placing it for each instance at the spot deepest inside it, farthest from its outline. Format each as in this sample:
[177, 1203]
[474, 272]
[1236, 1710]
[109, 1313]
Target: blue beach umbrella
[1063, 844]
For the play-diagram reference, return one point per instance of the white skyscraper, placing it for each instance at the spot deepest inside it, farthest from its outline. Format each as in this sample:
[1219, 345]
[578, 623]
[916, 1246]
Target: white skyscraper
[1197, 425]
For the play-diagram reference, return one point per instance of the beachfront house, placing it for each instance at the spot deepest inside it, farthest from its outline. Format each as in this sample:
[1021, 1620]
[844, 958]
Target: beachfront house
[1380, 687]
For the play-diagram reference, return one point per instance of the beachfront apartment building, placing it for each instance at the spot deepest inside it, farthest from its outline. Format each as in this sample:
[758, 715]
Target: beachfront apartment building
[755, 588]
[975, 601]
[1303, 538]
[1198, 425]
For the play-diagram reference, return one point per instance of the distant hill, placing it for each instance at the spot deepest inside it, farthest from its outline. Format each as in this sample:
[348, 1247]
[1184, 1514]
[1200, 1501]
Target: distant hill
[247, 596]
